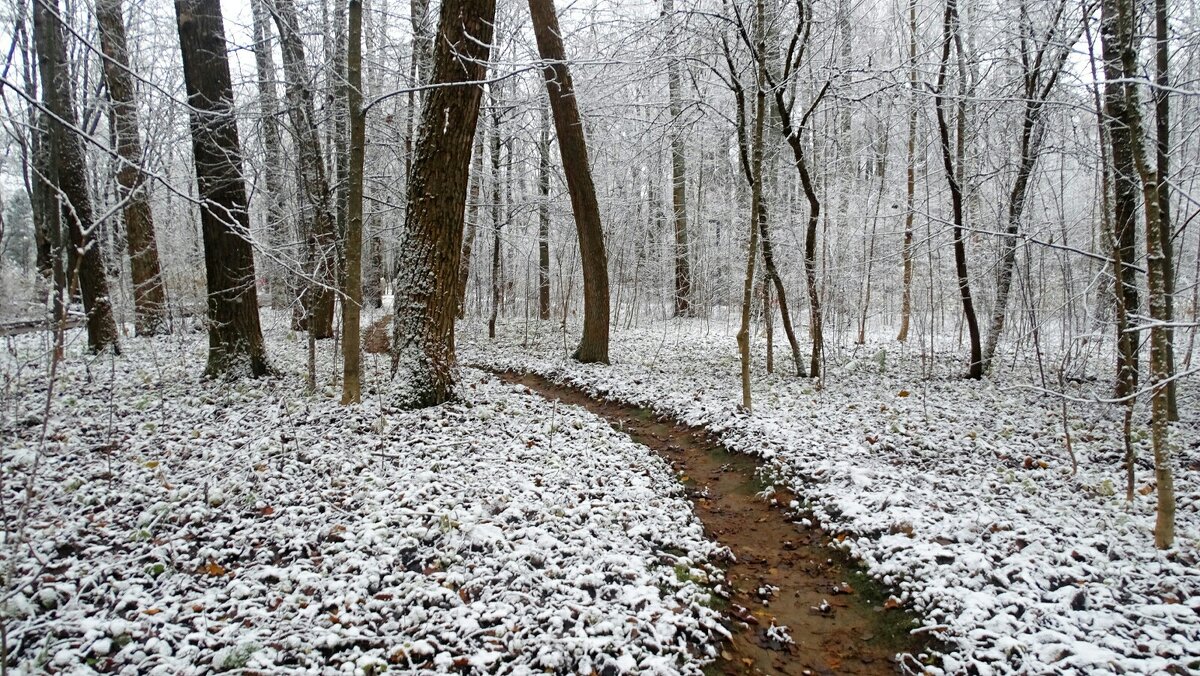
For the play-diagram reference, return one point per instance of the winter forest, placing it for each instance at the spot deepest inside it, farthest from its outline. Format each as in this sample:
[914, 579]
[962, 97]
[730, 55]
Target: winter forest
[600, 337]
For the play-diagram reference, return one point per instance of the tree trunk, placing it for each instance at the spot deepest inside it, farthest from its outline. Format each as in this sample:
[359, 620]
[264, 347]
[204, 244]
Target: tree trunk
[235, 344]
[544, 217]
[593, 346]
[71, 173]
[1125, 193]
[427, 285]
[1036, 92]
[317, 299]
[910, 177]
[756, 170]
[352, 304]
[683, 272]
[497, 223]
[472, 224]
[279, 278]
[975, 368]
[1118, 22]
[1162, 156]
[149, 295]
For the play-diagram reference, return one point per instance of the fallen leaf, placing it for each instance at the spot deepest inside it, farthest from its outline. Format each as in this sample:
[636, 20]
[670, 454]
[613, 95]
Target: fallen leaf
[152, 611]
[212, 568]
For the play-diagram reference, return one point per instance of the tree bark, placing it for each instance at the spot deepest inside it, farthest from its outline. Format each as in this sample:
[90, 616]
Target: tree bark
[279, 279]
[975, 368]
[910, 180]
[683, 271]
[1162, 156]
[756, 170]
[149, 294]
[427, 285]
[317, 299]
[71, 173]
[1125, 184]
[544, 217]
[352, 304]
[235, 344]
[497, 222]
[593, 346]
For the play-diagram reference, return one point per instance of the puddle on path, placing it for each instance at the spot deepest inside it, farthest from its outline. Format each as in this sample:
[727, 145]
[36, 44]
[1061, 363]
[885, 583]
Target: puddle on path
[785, 573]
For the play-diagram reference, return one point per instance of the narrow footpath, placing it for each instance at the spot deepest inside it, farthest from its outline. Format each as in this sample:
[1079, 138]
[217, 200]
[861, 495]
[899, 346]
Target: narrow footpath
[785, 574]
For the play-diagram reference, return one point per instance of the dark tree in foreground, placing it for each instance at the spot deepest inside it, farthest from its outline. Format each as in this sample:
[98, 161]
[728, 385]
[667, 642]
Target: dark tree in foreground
[149, 294]
[593, 346]
[71, 172]
[235, 344]
[426, 300]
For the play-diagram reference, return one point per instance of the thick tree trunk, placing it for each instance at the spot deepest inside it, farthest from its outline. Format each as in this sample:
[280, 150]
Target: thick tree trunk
[352, 304]
[317, 299]
[544, 217]
[71, 173]
[427, 285]
[149, 294]
[975, 368]
[593, 346]
[235, 344]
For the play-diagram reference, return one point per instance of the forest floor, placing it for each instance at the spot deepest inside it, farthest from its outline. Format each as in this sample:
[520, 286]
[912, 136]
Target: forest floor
[958, 495]
[157, 523]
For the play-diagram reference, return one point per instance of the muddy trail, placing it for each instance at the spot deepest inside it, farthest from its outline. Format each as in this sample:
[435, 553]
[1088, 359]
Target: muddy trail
[785, 573]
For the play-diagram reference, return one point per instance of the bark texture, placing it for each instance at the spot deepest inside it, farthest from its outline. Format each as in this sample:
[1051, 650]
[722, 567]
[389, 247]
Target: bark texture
[235, 344]
[593, 346]
[149, 293]
[427, 283]
[71, 174]
[352, 304]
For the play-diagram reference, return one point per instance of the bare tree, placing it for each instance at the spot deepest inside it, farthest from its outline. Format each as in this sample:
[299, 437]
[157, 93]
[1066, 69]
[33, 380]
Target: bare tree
[428, 270]
[593, 346]
[949, 37]
[352, 304]
[149, 293]
[683, 272]
[71, 176]
[235, 344]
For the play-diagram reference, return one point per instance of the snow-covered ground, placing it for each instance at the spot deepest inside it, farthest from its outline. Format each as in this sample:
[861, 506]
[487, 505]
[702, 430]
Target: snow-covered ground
[957, 493]
[168, 525]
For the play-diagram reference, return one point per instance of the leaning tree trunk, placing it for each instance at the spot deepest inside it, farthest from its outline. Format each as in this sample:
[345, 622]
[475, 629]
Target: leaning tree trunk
[593, 346]
[235, 344]
[352, 305]
[71, 172]
[544, 217]
[975, 369]
[149, 294]
[427, 286]
[317, 300]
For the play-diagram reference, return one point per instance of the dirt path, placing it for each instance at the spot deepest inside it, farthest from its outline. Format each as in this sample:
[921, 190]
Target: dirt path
[785, 573]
